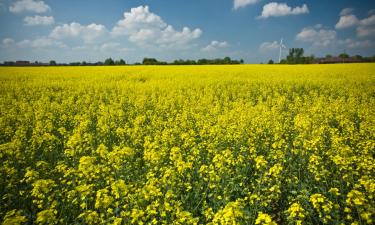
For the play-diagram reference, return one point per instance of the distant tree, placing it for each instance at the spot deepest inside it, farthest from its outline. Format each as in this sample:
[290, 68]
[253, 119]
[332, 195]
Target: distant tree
[122, 62]
[295, 56]
[161, 63]
[150, 61]
[109, 62]
[227, 60]
[328, 56]
[242, 61]
[9, 63]
[191, 62]
[359, 57]
[202, 61]
[308, 59]
[270, 61]
[344, 55]
[216, 61]
[52, 63]
[183, 62]
[74, 64]
[178, 62]
[83, 63]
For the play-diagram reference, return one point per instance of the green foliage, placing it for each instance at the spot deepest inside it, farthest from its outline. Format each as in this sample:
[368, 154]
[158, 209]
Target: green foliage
[75, 64]
[151, 61]
[296, 56]
[109, 62]
[120, 62]
[344, 55]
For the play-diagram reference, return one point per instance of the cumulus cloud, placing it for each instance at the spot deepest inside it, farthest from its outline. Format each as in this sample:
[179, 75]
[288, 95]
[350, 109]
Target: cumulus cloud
[346, 11]
[269, 46]
[370, 21]
[363, 31]
[110, 46]
[275, 9]
[317, 36]
[145, 28]
[88, 33]
[357, 44]
[364, 28]
[346, 21]
[7, 42]
[42, 42]
[29, 6]
[215, 45]
[38, 20]
[242, 3]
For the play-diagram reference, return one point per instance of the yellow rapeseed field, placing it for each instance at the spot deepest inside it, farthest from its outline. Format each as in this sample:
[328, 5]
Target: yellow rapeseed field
[246, 144]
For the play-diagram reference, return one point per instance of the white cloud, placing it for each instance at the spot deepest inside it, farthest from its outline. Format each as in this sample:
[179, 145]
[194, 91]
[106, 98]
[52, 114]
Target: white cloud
[346, 21]
[145, 28]
[215, 45]
[29, 6]
[363, 31]
[275, 9]
[109, 46]
[7, 42]
[42, 42]
[346, 11]
[353, 44]
[114, 47]
[364, 27]
[138, 19]
[39, 20]
[318, 37]
[370, 21]
[242, 3]
[88, 33]
[172, 38]
[269, 46]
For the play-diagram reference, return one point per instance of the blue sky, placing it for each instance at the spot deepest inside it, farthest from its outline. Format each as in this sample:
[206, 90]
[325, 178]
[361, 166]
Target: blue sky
[93, 30]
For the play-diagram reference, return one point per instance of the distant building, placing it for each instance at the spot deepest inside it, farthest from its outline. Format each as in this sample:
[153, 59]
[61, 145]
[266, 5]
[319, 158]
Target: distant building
[337, 60]
[22, 63]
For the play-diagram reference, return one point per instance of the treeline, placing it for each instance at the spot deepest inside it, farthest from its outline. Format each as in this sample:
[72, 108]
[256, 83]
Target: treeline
[218, 61]
[296, 56]
[145, 61]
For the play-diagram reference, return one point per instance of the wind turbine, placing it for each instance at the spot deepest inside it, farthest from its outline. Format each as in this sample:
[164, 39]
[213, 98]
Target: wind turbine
[281, 45]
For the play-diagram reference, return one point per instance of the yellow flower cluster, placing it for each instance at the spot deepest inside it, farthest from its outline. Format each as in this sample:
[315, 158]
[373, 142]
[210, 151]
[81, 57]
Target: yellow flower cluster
[232, 214]
[244, 144]
[296, 214]
[264, 219]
